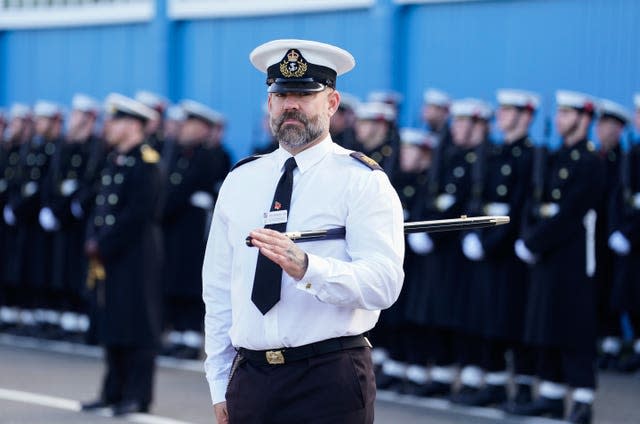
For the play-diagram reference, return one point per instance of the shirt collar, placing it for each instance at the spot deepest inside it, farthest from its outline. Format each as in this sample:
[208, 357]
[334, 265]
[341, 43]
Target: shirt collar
[308, 157]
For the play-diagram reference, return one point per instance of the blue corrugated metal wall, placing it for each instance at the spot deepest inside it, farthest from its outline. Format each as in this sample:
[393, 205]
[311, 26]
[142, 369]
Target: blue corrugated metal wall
[467, 48]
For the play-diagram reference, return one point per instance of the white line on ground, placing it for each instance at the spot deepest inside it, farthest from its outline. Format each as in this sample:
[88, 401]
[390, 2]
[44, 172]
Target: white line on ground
[74, 405]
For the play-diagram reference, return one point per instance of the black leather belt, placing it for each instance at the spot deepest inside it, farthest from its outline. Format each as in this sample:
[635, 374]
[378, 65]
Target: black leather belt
[292, 354]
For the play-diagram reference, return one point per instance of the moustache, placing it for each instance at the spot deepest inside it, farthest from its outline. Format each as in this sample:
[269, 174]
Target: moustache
[295, 115]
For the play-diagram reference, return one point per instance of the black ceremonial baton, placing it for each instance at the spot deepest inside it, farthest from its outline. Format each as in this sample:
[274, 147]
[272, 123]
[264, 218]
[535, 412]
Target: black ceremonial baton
[462, 223]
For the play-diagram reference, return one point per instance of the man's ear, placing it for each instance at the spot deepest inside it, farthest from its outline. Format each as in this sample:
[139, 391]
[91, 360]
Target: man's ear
[334, 101]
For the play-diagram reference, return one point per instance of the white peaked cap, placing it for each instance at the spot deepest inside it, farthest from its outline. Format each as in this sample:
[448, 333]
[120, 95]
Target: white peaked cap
[84, 103]
[385, 96]
[575, 99]
[418, 137]
[152, 100]
[176, 113]
[116, 102]
[200, 111]
[19, 110]
[471, 107]
[322, 54]
[518, 98]
[611, 108]
[376, 111]
[349, 101]
[46, 109]
[433, 96]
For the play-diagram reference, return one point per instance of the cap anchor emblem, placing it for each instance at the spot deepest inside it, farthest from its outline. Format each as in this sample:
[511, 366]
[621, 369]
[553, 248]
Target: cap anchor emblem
[293, 64]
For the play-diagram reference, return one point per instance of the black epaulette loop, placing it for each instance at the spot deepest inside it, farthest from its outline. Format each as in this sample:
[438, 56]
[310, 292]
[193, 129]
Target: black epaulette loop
[246, 160]
[370, 163]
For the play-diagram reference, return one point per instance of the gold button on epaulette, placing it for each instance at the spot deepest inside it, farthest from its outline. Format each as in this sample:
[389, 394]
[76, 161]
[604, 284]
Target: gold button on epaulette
[149, 154]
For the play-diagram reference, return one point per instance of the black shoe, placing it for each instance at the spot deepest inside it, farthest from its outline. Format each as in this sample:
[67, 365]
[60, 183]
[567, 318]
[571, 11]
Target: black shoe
[435, 389]
[464, 394]
[128, 407]
[552, 408]
[630, 363]
[608, 361]
[581, 413]
[489, 395]
[387, 382]
[96, 404]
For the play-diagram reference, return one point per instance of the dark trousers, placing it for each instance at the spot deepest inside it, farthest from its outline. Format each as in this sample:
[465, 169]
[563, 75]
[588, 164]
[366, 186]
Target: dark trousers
[573, 368]
[129, 375]
[335, 388]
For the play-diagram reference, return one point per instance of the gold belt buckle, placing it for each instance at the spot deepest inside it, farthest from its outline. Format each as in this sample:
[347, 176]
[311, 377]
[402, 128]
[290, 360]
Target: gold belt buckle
[274, 357]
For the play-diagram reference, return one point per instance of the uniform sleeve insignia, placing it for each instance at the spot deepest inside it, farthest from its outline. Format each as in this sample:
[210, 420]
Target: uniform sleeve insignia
[361, 157]
[149, 154]
[246, 160]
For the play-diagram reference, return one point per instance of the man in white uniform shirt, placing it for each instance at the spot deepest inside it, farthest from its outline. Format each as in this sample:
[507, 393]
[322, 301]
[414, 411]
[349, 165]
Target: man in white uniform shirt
[299, 354]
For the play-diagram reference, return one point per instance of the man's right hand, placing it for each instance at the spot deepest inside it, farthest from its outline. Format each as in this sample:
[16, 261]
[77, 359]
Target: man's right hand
[222, 416]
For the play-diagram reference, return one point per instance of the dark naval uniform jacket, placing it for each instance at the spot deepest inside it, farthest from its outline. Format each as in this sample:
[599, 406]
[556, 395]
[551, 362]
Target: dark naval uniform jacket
[125, 225]
[624, 216]
[501, 279]
[561, 231]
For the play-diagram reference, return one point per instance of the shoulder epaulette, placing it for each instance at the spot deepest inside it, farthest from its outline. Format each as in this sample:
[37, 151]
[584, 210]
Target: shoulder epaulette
[246, 160]
[370, 163]
[149, 154]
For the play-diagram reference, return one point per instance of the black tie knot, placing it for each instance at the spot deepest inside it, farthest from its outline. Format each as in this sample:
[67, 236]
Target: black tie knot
[290, 165]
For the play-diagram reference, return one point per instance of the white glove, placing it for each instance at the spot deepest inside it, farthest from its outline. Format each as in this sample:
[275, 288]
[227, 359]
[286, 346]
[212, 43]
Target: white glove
[420, 243]
[76, 209]
[48, 220]
[68, 187]
[9, 216]
[472, 247]
[619, 243]
[524, 253]
[202, 200]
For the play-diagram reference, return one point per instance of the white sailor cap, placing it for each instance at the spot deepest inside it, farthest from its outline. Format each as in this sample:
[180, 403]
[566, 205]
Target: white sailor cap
[610, 108]
[575, 100]
[118, 106]
[197, 110]
[300, 65]
[385, 96]
[433, 96]
[376, 111]
[84, 103]
[152, 100]
[518, 98]
[471, 107]
[349, 101]
[636, 100]
[47, 109]
[176, 113]
[417, 137]
[19, 110]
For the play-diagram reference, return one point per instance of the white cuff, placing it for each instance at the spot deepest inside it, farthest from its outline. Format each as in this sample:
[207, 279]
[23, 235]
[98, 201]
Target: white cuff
[202, 200]
[619, 243]
[218, 389]
[472, 247]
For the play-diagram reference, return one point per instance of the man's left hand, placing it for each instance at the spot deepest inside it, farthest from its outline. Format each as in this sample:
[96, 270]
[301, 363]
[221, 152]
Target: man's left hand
[281, 250]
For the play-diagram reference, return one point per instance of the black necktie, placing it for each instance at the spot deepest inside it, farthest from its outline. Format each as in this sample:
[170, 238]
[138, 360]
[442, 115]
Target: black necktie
[266, 282]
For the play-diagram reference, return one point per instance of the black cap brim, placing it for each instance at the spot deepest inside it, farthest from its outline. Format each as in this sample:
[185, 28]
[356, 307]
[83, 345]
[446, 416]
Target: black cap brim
[282, 85]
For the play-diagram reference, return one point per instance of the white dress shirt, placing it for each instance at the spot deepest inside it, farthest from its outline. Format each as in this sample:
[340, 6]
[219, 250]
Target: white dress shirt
[347, 282]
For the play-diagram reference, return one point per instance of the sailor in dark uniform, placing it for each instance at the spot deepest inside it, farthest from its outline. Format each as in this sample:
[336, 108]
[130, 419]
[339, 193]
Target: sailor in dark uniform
[192, 176]
[498, 296]
[343, 120]
[404, 366]
[437, 305]
[68, 168]
[154, 128]
[610, 125]
[558, 240]
[624, 241]
[11, 297]
[375, 134]
[34, 243]
[124, 247]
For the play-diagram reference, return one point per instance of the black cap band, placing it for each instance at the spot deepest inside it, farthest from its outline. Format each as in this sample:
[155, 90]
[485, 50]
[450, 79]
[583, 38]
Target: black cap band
[293, 73]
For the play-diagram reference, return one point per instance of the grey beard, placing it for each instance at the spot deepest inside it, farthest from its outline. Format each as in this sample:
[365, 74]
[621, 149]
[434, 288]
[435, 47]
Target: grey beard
[294, 136]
